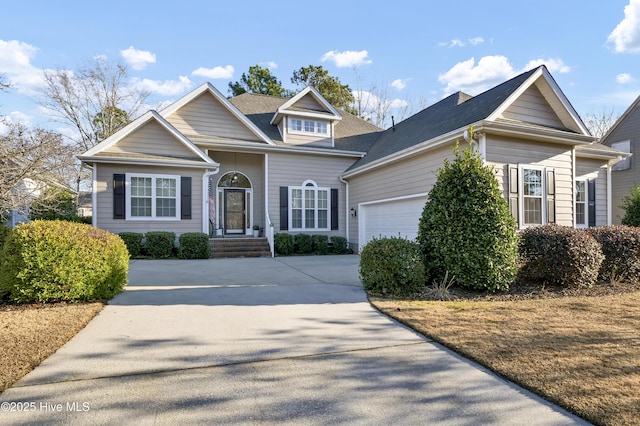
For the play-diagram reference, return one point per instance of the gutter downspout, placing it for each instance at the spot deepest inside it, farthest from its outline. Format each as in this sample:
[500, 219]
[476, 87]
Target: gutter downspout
[346, 208]
[206, 181]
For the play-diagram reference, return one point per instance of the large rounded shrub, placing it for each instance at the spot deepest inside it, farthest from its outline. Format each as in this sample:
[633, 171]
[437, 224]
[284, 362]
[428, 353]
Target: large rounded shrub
[392, 265]
[559, 255]
[621, 249]
[466, 228]
[45, 261]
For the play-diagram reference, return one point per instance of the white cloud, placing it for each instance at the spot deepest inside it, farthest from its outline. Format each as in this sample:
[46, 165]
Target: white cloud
[456, 42]
[272, 65]
[472, 78]
[164, 88]
[624, 78]
[348, 58]
[15, 64]
[476, 41]
[626, 35]
[399, 84]
[215, 72]
[138, 59]
[554, 65]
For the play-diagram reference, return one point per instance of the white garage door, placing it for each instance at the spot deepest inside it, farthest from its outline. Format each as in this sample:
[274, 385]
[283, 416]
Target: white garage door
[390, 218]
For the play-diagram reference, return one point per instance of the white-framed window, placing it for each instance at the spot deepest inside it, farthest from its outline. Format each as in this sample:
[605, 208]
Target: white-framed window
[309, 207]
[297, 125]
[624, 146]
[152, 197]
[582, 212]
[532, 195]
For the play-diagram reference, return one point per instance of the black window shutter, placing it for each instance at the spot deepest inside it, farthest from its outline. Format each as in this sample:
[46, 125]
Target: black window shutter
[119, 201]
[284, 208]
[551, 196]
[591, 194]
[334, 208]
[185, 197]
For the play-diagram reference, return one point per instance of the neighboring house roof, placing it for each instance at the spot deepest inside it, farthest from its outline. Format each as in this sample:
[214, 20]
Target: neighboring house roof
[620, 120]
[351, 133]
[460, 110]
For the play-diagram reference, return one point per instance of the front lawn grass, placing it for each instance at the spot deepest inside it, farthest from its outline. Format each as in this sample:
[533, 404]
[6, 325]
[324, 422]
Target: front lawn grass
[581, 352]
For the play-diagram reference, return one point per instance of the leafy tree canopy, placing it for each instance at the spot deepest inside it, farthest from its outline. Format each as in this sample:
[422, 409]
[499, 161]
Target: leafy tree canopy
[258, 80]
[336, 93]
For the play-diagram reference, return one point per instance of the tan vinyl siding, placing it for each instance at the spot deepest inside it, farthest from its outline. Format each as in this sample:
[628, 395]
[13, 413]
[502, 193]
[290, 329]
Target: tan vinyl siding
[310, 140]
[104, 200]
[414, 175]
[623, 181]
[309, 102]
[205, 116]
[501, 152]
[593, 169]
[532, 107]
[152, 138]
[252, 166]
[293, 169]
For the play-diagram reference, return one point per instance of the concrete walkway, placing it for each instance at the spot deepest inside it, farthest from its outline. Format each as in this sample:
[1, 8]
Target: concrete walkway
[260, 341]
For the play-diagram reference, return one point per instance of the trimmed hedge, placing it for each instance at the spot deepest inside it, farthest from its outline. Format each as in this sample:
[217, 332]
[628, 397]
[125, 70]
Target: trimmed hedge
[339, 244]
[133, 241]
[159, 244]
[393, 266]
[303, 243]
[631, 207]
[559, 255]
[621, 248]
[194, 245]
[320, 244]
[283, 244]
[47, 261]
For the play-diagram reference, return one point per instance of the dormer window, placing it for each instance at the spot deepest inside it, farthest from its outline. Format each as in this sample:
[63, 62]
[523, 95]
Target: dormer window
[297, 125]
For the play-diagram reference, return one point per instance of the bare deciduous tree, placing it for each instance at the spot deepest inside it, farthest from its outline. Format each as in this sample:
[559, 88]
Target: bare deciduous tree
[599, 122]
[95, 100]
[33, 164]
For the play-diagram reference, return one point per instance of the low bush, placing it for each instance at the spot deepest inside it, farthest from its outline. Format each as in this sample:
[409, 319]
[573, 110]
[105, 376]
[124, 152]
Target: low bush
[194, 245]
[303, 243]
[283, 244]
[339, 244]
[47, 261]
[621, 248]
[559, 255]
[159, 244]
[4, 234]
[393, 266]
[321, 244]
[133, 241]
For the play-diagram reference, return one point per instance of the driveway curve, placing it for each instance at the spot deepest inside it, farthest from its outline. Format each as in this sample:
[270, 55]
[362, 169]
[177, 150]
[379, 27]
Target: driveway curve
[288, 340]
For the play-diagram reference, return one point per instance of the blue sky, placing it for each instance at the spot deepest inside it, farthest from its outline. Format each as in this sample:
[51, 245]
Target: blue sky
[412, 52]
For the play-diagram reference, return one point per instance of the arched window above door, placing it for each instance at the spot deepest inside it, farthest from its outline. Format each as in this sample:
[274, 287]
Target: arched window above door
[234, 180]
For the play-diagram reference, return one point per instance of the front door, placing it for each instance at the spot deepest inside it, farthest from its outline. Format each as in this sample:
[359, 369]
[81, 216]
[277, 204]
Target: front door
[234, 211]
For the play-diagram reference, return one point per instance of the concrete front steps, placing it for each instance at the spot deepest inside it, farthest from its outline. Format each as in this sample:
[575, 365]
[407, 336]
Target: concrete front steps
[239, 247]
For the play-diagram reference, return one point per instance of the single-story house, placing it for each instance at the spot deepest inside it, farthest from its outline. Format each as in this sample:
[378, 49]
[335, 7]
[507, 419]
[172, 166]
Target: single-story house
[216, 165]
[624, 136]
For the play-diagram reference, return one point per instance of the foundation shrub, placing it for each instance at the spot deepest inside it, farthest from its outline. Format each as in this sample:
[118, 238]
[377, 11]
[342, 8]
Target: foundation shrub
[283, 244]
[621, 248]
[321, 244]
[133, 241]
[159, 244]
[392, 266]
[194, 245]
[559, 255]
[4, 234]
[338, 244]
[49, 261]
[303, 243]
[466, 230]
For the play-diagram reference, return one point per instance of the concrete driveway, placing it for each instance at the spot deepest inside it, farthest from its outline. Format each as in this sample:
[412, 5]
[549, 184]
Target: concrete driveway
[260, 341]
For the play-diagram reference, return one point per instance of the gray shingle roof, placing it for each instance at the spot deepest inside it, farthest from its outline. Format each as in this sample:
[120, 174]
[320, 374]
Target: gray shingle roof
[453, 112]
[352, 133]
